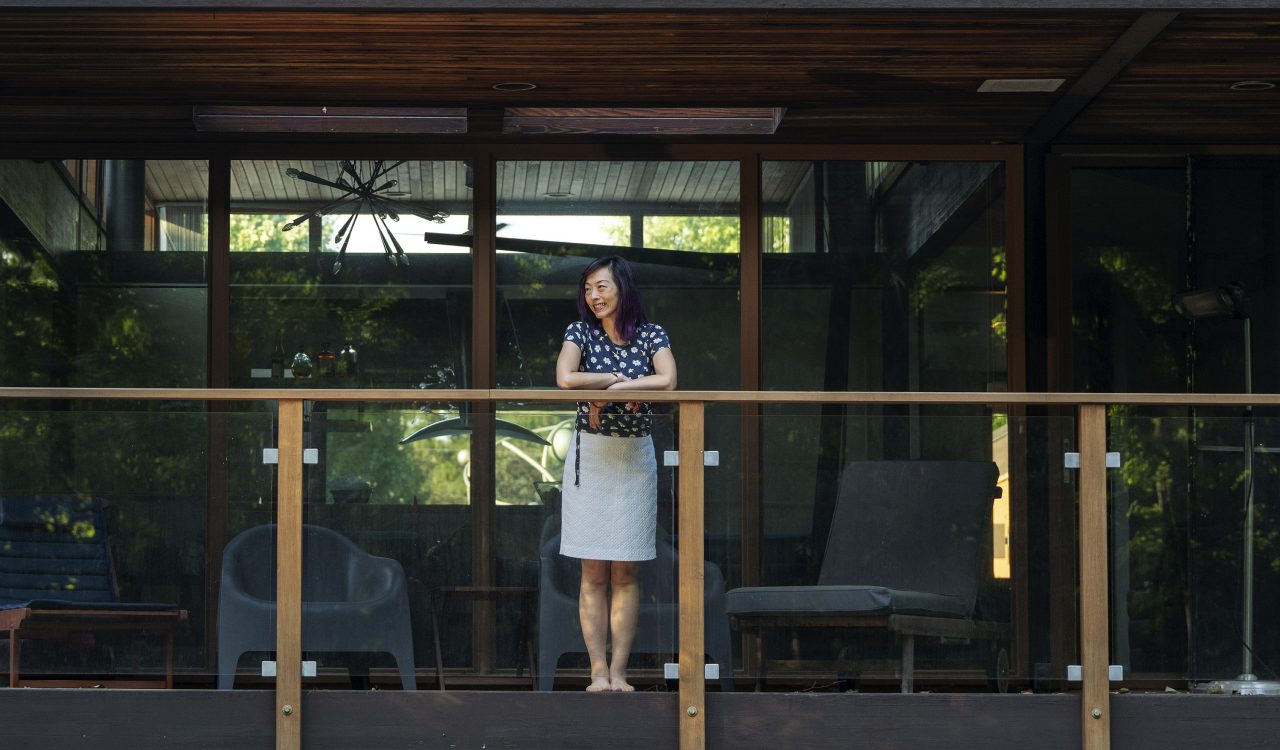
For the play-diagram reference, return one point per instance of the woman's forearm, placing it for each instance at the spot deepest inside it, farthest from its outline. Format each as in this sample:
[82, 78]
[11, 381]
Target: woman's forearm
[594, 381]
[655, 382]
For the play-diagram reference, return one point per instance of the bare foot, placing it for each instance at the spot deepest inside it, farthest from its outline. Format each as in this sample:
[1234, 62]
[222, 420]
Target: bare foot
[620, 685]
[600, 684]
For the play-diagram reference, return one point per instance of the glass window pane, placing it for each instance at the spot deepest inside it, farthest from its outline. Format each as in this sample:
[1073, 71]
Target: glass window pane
[675, 222]
[350, 273]
[83, 300]
[894, 271]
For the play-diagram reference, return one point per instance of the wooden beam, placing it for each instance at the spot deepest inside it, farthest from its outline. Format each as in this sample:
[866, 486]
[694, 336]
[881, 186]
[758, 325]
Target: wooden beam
[593, 5]
[751, 295]
[1094, 622]
[693, 699]
[289, 578]
[483, 374]
[1145, 30]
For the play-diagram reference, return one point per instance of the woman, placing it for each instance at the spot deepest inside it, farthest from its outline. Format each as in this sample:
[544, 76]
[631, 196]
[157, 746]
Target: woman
[609, 508]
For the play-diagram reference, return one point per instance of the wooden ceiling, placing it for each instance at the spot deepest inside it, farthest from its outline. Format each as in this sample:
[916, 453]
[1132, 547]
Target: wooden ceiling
[908, 76]
[541, 186]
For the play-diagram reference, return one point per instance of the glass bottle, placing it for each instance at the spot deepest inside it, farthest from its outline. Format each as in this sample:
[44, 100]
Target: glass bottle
[347, 360]
[326, 362]
[277, 358]
[301, 364]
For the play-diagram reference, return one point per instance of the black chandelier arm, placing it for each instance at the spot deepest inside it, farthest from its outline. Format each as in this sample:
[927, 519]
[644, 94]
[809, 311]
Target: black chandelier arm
[430, 214]
[349, 167]
[388, 170]
[404, 259]
[308, 177]
[346, 225]
[342, 253]
[321, 211]
[386, 247]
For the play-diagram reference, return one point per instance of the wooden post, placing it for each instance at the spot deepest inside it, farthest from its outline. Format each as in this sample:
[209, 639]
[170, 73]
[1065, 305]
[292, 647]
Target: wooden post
[289, 578]
[693, 725]
[1094, 630]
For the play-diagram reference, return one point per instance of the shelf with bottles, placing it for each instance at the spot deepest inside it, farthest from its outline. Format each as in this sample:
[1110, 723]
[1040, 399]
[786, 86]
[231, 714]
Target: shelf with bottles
[340, 369]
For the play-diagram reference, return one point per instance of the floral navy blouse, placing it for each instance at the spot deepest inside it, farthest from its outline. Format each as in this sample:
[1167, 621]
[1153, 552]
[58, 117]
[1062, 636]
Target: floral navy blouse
[633, 359]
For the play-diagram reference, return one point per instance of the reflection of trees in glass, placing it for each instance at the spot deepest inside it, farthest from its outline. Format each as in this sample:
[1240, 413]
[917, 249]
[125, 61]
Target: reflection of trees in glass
[260, 233]
[1114, 282]
[32, 321]
[437, 471]
[698, 234]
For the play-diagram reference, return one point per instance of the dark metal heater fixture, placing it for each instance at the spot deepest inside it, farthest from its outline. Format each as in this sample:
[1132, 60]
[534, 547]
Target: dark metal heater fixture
[361, 193]
[1224, 301]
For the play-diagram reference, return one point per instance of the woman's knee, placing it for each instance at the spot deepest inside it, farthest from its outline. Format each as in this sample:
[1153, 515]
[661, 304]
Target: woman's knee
[595, 573]
[623, 573]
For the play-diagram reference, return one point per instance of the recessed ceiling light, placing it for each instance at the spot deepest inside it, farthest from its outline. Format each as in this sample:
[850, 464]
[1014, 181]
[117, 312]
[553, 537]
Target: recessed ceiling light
[514, 86]
[1020, 85]
[558, 195]
[1252, 86]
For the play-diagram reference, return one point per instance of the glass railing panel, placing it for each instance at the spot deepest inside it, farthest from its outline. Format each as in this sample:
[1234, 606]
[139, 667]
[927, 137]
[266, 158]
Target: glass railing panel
[489, 593]
[574, 506]
[389, 493]
[1193, 570]
[935, 543]
[115, 520]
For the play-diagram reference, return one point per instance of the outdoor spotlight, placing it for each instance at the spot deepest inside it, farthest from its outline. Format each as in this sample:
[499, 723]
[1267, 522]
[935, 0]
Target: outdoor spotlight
[1214, 302]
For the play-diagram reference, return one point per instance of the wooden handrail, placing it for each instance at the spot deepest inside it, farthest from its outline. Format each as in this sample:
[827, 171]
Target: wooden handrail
[506, 395]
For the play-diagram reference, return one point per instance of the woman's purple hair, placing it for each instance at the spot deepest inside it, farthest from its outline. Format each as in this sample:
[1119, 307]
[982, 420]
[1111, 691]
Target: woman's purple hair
[630, 308]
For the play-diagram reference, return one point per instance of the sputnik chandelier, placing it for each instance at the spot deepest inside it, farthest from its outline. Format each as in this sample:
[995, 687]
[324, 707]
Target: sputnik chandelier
[363, 195]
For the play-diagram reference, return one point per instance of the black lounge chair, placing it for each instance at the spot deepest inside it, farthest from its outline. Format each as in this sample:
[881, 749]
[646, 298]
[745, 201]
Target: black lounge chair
[908, 544]
[57, 579]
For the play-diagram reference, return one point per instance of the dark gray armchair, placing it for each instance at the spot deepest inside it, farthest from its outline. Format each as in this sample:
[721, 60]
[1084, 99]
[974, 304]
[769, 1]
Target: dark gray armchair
[351, 600]
[560, 632]
[908, 547]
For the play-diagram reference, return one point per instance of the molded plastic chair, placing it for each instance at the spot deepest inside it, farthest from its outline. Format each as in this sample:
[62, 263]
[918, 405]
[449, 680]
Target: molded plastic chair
[351, 600]
[657, 631]
[908, 544]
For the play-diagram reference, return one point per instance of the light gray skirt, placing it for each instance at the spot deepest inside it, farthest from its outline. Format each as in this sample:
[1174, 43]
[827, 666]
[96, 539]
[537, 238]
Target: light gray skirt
[611, 513]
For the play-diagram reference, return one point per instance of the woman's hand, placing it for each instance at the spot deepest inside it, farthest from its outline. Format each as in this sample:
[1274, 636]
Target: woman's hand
[593, 413]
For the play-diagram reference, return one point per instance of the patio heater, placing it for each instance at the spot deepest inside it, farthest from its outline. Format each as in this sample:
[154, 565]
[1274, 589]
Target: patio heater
[1230, 300]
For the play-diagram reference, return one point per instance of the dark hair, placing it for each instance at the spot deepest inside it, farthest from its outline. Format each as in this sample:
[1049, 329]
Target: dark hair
[630, 309]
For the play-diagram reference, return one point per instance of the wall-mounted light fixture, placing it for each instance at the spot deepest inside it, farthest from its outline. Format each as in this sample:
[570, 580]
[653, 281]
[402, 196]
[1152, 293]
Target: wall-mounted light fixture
[391, 120]
[641, 121]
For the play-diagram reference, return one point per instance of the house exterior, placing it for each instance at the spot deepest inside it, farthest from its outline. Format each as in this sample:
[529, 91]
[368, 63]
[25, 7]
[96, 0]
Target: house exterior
[238, 242]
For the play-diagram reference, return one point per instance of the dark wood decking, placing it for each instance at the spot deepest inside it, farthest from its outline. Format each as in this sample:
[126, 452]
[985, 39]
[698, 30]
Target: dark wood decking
[341, 720]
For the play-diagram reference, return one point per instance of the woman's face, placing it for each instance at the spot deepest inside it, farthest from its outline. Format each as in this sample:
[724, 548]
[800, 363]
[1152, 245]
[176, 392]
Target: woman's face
[602, 293]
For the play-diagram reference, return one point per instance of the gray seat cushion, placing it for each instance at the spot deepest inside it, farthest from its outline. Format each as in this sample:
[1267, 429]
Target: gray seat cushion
[764, 601]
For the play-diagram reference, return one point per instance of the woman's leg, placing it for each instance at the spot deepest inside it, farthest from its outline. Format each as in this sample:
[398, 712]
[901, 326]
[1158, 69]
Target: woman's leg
[624, 610]
[593, 612]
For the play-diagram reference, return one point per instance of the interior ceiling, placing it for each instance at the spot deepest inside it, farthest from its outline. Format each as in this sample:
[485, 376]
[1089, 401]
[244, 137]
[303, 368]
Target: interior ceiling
[849, 76]
[538, 186]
